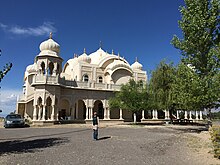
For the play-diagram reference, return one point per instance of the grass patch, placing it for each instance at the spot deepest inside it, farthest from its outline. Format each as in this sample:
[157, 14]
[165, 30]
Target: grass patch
[215, 137]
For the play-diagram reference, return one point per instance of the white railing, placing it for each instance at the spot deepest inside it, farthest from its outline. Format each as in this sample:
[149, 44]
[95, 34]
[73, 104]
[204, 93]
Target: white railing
[72, 83]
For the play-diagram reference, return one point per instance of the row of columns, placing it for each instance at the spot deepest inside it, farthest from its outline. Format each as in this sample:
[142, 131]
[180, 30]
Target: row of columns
[39, 113]
[89, 113]
[167, 115]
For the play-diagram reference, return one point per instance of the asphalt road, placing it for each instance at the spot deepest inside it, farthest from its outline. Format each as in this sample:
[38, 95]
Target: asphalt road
[117, 146]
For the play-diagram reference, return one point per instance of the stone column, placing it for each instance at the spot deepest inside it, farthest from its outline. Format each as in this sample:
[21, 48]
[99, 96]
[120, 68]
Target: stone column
[166, 114]
[143, 115]
[57, 113]
[190, 115]
[200, 114]
[73, 112]
[105, 113]
[77, 111]
[39, 112]
[135, 118]
[87, 113]
[53, 113]
[120, 114]
[154, 114]
[177, 114]
[44, 113]
[152, 111]
[197, 115]
[185, 116]
[108, 113]
[35, 113]
[91, 112]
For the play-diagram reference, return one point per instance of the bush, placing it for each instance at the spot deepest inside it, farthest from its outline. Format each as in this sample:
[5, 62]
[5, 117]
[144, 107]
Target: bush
[215, 137]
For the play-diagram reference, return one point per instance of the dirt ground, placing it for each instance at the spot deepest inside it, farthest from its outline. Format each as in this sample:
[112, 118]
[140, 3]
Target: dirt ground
[191, 144]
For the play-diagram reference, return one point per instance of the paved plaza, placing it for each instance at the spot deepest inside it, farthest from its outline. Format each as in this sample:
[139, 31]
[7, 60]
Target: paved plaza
[73, 144]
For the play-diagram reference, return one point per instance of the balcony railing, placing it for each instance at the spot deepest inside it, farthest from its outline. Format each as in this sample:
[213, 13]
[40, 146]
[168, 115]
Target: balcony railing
[43, 79]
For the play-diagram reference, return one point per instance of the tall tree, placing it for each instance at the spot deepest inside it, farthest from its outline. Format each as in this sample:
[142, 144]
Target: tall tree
[200, 29]
[200, 45]
[186, 88]
[161, 87]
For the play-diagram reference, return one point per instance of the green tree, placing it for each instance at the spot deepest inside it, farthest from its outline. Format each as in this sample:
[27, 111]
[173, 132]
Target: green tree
[200, 29]
[6, 68]
[161, 87]
[186, 88]
[200, 46]
[132, 96]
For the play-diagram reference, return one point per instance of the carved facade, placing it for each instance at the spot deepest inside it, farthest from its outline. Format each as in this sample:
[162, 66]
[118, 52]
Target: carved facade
[83, 86]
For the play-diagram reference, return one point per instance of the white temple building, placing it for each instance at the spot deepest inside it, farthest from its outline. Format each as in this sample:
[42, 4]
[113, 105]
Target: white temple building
[83, 86]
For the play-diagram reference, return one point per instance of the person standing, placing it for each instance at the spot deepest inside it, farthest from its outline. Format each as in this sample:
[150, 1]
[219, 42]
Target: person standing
[95, 122]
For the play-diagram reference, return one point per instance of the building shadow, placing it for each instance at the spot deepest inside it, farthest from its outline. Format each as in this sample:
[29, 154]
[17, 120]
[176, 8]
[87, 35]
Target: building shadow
[104, 138]
[30, 146]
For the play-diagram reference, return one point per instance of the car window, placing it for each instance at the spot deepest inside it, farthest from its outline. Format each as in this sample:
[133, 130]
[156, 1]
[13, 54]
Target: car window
[13, 117]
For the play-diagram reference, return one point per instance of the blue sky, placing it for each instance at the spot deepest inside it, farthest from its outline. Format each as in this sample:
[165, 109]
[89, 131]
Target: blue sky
[134, 28]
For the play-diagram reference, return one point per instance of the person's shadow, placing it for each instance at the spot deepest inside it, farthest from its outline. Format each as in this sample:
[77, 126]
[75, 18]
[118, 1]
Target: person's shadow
[104, 138]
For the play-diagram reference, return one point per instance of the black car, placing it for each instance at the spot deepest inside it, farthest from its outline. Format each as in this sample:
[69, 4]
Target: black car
[14, 120]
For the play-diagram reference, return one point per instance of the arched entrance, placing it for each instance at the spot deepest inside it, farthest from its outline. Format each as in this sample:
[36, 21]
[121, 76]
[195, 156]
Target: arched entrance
[48, 109]
[98, 107]
[81, 111]
[39, 109]
[64, 111]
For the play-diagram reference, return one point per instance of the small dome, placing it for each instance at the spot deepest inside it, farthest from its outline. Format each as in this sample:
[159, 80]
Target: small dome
[136, 65]
[50, 44]
[31, 68]
[84, 57]
[49, 47]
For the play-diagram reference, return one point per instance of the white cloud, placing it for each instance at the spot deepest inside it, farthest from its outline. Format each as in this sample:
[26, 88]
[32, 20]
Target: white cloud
[41, 30]
[3, 26]
[8, 100]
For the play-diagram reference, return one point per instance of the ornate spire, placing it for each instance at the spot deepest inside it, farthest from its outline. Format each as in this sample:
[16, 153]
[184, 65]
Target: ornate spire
[84, 51]
[100, 44]
[136, 59]
[112, 51]
[51, 35]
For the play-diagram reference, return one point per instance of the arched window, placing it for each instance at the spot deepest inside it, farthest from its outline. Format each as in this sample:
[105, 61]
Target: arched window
[51, 67]
[39, 101]
[48, 101]
[85, 78]
[43, 67]
[100, 80]
[58, 68]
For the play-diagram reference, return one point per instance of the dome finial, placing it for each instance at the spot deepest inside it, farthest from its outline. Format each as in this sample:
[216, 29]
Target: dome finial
[51, 35]
[112, 51]
[136, 59]
[84, 50]
[100, 44]
[118, 55]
